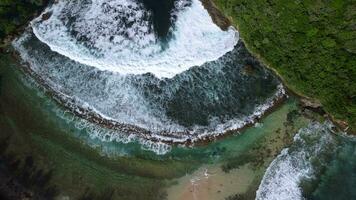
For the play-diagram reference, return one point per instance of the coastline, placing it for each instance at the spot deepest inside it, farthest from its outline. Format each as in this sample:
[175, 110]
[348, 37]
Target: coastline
[132, 131]
[19, 28]
[303, 99]
[216, 15]
[179, 138]
[48, 135]
[56, 164]
[306, 101]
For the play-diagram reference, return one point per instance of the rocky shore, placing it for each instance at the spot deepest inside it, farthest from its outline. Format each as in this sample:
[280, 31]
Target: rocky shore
[128, 130]
[15, 17]
[177, 138]
[187, 138]
[305, 100]
[217, 16]
[221, 20]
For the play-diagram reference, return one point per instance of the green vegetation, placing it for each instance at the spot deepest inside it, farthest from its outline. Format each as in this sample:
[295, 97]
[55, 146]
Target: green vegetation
[310, 43]
[15, 13]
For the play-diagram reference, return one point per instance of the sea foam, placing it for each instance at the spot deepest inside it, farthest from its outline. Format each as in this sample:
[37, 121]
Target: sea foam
[118, 36]
[284, 175]
[196, 103]
[159, 106]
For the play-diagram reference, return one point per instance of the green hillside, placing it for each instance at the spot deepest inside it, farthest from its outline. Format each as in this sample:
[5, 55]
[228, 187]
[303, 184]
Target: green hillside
[310, 43]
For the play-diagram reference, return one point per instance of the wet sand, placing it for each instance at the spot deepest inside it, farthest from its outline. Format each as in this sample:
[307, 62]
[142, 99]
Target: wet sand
[78, 170]
[229, 178]
[211, 183]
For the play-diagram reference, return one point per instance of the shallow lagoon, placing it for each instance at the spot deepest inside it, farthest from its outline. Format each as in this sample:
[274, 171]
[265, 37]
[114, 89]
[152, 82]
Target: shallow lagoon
[54, 150]
[47, 152]
[40, 128]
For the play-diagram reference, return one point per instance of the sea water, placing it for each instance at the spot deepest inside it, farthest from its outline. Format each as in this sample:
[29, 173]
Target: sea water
[73, 55]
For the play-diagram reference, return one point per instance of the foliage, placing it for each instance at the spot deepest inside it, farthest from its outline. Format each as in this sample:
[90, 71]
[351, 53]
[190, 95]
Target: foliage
[310, 43]
[14, 13]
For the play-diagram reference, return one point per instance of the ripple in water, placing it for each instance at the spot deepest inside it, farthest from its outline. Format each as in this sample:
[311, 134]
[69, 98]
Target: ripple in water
[68, 52]
[119, 36]
[310, 151]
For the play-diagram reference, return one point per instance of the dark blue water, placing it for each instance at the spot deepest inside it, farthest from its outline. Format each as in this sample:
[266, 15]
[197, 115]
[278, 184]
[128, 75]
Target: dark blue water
[335, 179]
[162, 11]
[338, 180]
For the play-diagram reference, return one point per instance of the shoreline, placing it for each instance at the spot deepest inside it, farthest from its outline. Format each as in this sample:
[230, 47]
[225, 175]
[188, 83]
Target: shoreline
[175, 138]
[6, 41]
[186, 138]
[305, 101]
[216, 15]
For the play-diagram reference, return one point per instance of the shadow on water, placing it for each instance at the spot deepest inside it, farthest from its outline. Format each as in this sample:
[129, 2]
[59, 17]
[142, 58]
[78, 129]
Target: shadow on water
[337, 179]
[161, 10]
[163, 15]
[21, 178]
[228, 88]
[0, 85]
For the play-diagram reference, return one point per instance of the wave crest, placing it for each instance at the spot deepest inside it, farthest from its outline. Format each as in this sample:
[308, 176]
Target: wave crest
[118, 36]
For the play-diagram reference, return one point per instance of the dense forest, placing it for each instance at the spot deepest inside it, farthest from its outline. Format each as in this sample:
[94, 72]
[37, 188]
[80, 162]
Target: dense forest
[310, 43]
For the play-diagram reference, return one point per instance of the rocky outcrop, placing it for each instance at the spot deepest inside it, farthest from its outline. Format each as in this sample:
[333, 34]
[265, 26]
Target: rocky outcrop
[312, 105]
[217, 16]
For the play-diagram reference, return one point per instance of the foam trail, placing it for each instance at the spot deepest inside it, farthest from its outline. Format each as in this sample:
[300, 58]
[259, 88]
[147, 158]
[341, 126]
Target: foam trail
[282, 178]
[201, 102]
[96, 137]
[117, 36]
[227, 98]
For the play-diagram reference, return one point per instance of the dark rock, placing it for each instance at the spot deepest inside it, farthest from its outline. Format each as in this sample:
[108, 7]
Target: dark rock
[46, 16]
[312, 105]
[248, 69]
[217, 16]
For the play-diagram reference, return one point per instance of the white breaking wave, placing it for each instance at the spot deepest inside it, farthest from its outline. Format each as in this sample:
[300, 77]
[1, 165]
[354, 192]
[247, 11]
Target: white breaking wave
[96, 132]
[73, 81]
[117, 36]
[115, 97]
[284, 175]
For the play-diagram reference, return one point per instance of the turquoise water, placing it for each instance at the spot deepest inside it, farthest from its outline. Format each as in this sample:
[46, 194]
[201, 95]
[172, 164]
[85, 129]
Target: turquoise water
[18, 86]
[37, 122]
[47, 149]
[338, 178]
[319, 164]
[37, 127]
